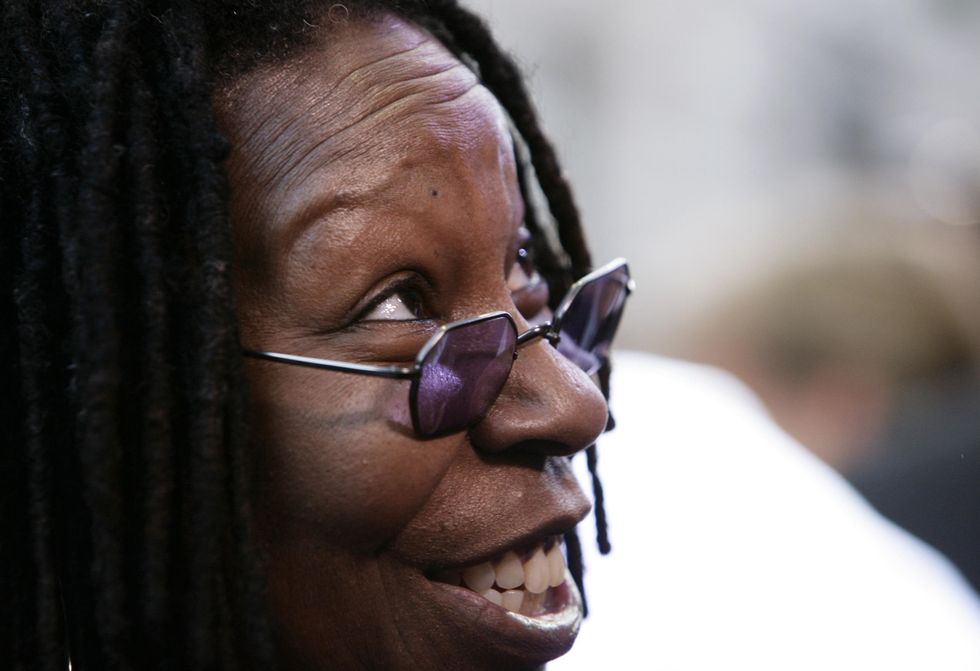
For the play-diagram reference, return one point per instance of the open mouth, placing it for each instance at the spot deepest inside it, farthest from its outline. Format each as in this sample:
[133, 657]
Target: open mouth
[529, 583]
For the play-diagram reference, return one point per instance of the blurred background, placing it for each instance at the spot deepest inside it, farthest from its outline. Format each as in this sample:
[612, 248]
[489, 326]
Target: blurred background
[797, 188]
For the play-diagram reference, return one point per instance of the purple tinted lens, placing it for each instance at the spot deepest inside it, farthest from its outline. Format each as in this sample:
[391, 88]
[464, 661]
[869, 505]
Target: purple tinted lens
[463, 374]
[590, 322]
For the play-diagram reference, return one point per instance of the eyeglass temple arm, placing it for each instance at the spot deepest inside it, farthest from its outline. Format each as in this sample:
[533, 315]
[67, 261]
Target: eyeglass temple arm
[539, 331]
[397, 372]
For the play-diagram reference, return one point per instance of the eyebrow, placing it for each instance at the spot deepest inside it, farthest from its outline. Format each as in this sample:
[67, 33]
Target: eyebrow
[318, 209]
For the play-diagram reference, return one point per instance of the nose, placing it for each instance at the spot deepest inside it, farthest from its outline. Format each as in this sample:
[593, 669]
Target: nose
[548, 405]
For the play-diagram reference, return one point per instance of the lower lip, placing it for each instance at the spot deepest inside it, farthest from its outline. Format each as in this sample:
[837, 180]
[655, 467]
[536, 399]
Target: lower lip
[531, 639]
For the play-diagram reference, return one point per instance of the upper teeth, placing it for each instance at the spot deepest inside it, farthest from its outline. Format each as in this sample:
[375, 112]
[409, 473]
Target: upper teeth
[500, 580]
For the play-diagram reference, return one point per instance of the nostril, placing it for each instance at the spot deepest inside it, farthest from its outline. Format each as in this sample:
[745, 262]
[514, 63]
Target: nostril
[538, 449]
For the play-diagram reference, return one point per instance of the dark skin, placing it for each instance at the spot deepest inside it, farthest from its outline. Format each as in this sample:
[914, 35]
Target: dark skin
[374, 198]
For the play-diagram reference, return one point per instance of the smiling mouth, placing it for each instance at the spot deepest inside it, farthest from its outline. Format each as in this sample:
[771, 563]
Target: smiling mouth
[527, 583]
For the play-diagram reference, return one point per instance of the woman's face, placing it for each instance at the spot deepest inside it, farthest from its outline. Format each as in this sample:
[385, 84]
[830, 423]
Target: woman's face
[374, 198]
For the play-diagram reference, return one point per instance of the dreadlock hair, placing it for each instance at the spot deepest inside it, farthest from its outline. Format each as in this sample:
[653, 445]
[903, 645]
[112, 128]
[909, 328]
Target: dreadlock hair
[124, 506]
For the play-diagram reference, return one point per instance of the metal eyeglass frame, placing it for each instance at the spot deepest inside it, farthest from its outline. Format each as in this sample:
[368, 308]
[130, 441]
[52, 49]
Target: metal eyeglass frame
[549, 330]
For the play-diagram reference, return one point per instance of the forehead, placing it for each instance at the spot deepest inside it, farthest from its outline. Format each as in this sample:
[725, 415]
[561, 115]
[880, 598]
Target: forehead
[359, 110]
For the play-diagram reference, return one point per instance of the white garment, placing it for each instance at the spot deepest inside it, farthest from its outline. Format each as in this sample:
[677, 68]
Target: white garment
[734, 548]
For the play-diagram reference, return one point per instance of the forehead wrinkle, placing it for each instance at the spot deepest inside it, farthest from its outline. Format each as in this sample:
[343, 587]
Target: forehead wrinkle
[318, 111]
[269, 134]
[374, 85]
[364, 69]
[382, 105]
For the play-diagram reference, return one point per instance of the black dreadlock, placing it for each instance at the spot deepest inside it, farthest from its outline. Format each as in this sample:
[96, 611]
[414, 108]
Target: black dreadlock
[124, 508]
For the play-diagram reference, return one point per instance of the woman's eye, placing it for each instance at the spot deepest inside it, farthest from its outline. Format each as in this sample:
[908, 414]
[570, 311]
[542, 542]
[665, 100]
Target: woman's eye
[527, 288]
[522, 272]
[403, 304]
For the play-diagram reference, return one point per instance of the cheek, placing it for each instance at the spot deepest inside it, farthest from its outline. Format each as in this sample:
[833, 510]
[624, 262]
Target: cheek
[335, 459]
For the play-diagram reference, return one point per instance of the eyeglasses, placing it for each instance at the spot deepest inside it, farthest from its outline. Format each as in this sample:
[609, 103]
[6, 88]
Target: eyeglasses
[461, 369]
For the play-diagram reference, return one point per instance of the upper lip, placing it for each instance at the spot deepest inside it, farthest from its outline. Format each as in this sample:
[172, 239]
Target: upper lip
[485, 514]
[554, 526]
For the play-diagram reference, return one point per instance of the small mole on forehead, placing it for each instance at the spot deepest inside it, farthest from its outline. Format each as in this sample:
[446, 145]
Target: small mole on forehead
[435, 193]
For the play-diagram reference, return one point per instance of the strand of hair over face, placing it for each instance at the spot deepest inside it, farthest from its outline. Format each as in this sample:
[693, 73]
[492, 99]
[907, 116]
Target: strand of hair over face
[124, 509]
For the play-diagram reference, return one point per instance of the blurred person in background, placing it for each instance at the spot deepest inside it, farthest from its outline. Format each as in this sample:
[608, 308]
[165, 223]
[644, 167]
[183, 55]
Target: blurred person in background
[866, 352]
